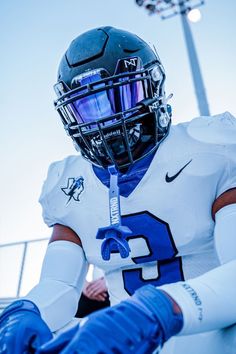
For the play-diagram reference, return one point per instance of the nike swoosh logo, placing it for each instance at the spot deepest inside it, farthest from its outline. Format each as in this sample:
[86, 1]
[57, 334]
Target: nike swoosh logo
[170, 179]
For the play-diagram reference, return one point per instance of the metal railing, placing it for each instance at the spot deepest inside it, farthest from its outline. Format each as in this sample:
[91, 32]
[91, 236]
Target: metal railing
[20, 264]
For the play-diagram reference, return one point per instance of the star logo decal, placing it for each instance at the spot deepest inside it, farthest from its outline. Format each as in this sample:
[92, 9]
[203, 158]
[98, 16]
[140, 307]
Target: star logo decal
[74, 188]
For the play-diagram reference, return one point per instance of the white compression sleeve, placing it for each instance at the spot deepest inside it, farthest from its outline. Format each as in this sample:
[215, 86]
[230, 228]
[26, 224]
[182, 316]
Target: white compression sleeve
[61, 282]
[208, 302]
[225, 233]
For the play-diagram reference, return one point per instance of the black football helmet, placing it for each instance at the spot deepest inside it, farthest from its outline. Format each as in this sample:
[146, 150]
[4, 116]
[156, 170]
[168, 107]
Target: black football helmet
[111, 98]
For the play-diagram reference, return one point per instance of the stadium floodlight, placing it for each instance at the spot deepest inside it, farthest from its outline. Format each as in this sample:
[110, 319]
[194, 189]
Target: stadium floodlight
[167, 9]
[194, 15]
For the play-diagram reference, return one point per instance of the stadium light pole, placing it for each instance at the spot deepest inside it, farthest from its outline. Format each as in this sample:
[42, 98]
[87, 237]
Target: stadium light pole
[170, 8]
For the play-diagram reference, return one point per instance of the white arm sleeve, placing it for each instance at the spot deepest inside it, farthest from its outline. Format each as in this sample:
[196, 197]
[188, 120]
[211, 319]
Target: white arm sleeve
[225, 233]
[61, 282]
[208, 302]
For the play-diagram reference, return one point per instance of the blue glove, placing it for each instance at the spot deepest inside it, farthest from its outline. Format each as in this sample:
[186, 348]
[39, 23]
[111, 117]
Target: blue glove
[138, 325]
[57, 344]
[21, 328]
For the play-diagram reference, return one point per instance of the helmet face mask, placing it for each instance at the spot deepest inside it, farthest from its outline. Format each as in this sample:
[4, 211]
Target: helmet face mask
[114, 118]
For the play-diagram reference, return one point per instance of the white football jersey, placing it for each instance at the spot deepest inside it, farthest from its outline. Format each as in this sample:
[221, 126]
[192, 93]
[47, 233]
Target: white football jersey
[169, 212]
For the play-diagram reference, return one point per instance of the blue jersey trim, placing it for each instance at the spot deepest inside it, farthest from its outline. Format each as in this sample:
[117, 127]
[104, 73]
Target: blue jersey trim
[127, 181]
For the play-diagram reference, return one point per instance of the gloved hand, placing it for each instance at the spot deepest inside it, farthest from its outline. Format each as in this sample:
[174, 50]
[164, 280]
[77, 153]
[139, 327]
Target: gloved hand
[138, 325]
[22, 329]
[59, 342]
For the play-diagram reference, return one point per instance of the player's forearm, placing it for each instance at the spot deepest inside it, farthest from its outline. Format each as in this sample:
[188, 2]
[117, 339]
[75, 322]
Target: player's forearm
[62, 277]
[56, 301]
[208, 301]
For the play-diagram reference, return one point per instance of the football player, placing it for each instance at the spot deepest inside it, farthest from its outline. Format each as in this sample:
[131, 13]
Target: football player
[151, 204]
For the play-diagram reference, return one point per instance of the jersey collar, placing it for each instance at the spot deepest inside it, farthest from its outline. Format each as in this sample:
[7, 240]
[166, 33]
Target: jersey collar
[127, 181]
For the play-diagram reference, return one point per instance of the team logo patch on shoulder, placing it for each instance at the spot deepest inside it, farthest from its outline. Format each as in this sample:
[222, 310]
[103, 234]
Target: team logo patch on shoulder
[74, 188]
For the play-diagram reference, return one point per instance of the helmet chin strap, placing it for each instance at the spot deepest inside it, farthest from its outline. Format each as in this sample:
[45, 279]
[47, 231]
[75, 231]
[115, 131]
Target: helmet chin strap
[115, 234]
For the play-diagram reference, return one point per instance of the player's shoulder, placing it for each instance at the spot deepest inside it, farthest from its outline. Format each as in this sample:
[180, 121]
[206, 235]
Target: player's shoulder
[66, 163]
[58, 168]
[60, 171]
[218, 129]
[64, 178]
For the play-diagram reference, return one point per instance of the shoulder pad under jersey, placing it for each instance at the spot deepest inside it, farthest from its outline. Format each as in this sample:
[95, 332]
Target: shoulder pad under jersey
[218, 129]
[56, 170]
[49, 194]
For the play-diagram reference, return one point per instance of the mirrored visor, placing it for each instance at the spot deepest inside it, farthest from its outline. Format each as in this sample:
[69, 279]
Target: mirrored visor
[106, 98]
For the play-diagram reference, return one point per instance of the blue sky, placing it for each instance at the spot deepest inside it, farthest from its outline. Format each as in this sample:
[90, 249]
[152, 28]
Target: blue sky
[34, 36]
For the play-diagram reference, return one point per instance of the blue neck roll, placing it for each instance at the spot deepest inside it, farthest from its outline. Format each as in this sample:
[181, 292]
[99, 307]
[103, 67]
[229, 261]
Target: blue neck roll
[128, 181]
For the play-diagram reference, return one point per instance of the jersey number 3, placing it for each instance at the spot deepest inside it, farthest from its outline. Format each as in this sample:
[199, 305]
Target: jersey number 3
[162, 250]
